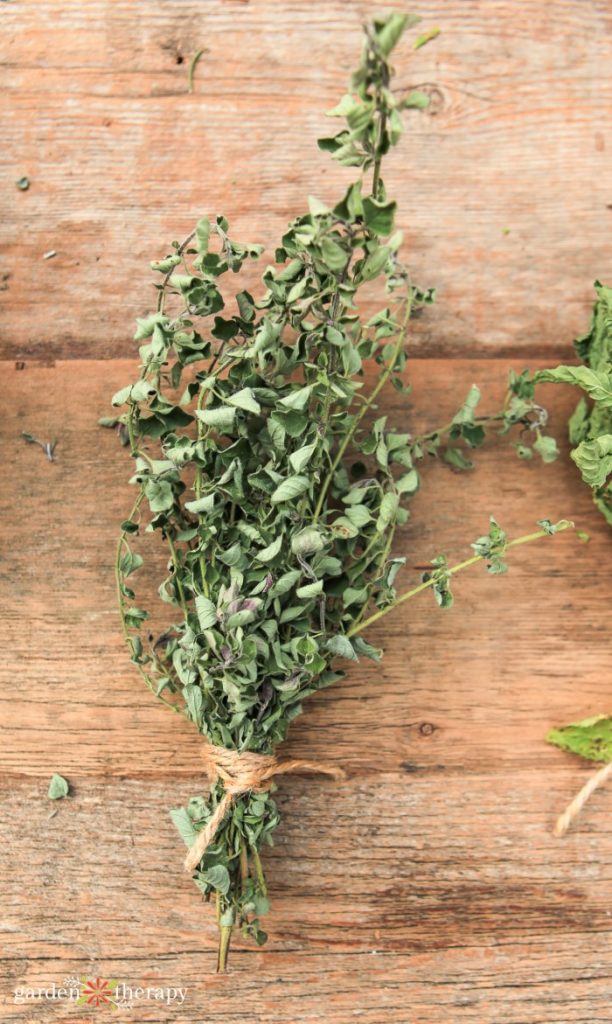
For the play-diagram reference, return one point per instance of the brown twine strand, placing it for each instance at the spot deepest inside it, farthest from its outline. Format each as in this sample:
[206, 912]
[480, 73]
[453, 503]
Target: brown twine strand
[242, 772]
[573, 810]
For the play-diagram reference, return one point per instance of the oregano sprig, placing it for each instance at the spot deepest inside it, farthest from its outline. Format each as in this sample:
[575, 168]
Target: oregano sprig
[274, 482]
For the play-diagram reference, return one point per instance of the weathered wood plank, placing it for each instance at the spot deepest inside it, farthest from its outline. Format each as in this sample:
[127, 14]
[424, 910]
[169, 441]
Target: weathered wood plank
[122, 159]
[426, 888]
[416, 898]
[514, 656]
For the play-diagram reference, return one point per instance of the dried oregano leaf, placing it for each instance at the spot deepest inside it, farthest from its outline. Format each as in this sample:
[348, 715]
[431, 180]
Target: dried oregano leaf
[58, 788]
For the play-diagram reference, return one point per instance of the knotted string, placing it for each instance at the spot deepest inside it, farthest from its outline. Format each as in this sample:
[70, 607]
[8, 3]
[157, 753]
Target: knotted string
[242, 773]
[573, 810]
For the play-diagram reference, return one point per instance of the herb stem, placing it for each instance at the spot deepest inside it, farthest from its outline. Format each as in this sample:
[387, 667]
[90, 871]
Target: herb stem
[161, 298]
[384, 377]
[526, 539]
[493, 418]
[225, 934]
[121, 604]
[177, 576]
[244, 864]
[261, 880]
[193, 63]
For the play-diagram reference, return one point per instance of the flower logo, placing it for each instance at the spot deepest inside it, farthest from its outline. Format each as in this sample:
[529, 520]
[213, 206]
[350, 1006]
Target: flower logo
[97, 992]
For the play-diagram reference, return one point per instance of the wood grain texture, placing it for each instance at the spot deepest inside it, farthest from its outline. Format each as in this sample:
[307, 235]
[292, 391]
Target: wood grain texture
[122, 159]
[427, 888]
[440, 910]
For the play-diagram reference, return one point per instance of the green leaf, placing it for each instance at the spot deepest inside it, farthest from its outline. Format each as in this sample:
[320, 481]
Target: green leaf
[297, 399]
[129, 563]
[289, 489]
[594, 460]
[206, 612]
[300, 458]
[218, 877]
[195, 703]
[232, 555]
[387, 511]
[426, 37]
[242, 617]
[184, 825]
[342, 108]
[597, 384]
[202, 235]
[389, 31]
[205, 504]
[285, 582]
[58, 788]
[222, 417]
[307, 541]
[375, 263]
[316, 207]
[159, 494]
[244, 400]
[270, 552]
[135, 393]
[363, 647]
[591, 738]
[416, 100]
[165, 265]
[333, 254]
[466, 412]
[343, 527]
[578, 423]
[309, 590]
[456, 458]
[552, 528]
[546, 447]
[358, 515]
[379, 216]
[341, 647]
[409, 483]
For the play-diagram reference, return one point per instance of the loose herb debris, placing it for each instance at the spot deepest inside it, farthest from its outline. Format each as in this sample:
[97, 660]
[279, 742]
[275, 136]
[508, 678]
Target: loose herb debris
[193, 63]
[276, 495]
[58, 788]
[47, 446]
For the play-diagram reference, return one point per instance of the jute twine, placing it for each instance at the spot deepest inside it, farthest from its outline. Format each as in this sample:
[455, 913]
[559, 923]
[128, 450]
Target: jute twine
[241, 773]
[573, 810]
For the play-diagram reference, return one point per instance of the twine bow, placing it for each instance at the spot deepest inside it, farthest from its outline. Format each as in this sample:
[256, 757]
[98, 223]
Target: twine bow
[241, 773]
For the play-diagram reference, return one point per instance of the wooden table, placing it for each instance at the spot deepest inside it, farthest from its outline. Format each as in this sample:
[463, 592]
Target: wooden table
[427, 888]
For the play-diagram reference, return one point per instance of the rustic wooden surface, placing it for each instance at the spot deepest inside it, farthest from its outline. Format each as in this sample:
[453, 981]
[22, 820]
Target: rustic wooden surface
[427, 888]
[504, 183]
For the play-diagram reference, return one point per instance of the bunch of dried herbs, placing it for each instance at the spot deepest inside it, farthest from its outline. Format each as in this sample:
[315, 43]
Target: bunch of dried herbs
[275, 490]
[590, 426]
[590, 430]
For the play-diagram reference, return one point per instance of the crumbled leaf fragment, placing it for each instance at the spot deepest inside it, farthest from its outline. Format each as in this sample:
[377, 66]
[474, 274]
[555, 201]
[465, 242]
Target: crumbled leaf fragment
[58, 788]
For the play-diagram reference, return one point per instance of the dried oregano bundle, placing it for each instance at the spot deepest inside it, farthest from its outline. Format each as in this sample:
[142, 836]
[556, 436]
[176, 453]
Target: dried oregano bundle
[590, 426]
[590, 430]
[275, 493]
